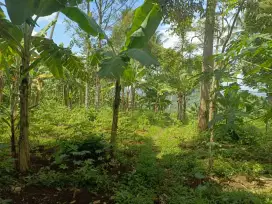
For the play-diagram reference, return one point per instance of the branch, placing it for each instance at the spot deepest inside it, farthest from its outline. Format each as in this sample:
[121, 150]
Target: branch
[232, 26]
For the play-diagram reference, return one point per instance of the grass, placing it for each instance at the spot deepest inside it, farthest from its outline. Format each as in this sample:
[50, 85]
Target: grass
[157, 161]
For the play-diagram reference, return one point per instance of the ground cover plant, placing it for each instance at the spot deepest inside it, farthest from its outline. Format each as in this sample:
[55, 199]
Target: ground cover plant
[135, 102]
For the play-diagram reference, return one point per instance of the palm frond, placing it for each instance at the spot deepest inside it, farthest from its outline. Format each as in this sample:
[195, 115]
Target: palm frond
[10, 36]
[57, 58]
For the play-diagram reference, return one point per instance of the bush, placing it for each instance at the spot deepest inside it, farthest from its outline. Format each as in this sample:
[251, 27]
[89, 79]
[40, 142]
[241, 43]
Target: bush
[75, 151]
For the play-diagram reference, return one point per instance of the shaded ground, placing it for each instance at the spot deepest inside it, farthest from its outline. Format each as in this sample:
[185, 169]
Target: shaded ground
[158, 166]
[42, 195]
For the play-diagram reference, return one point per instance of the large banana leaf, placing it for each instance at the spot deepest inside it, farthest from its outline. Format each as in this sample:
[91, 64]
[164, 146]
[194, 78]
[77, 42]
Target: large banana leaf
[145, 22]
[112, 67]
[21, 10]
[85, 22]
[10, 36]
[142, 56]
[56, 58]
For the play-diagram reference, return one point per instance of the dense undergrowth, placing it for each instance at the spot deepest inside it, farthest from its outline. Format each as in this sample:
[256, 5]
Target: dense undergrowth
[159, 160]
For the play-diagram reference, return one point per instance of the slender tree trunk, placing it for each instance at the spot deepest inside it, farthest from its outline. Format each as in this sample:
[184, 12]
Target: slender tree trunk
[97, 80]
[69, 90]
[156, 106]
[132, 97]
[215, 82]
[116, 105]
[24, 152]
[1, 85]
[87, 88]
[13, 138]
[184, 107]
[180, 107]
[207, 65]
[82, 97]
[13, 101]
[37, 97]
[66, 95]
[97, 90]
[87, 91]
[123, 99]
[266, 126]
[127, 104]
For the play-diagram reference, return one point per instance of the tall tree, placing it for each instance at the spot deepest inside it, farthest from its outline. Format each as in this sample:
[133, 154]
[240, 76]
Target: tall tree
[145, 22]
[107, 13]
[88, 47]
[1, 85]
[207, 65]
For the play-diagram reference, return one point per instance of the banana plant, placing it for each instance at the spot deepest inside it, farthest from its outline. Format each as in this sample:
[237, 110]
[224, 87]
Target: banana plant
[16, 34]
[9, 64]
[145, 22]
[132, 77]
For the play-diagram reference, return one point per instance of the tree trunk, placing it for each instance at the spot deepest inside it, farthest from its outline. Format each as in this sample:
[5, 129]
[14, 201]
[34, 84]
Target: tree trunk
[24, 156]
[180, 107]
[97, 90]
[87, 95]
[87, 89]
[65, 95]
[13, 138]
[69, 97]
[116, 105]
[24, 152]
[156, 107]
[207, 65]
[97, 79]
[127, 103]
[184, 107]
[215, 84]
[13, 101]
[1, 86]
[266, 126]
[132, 97]
[123, 99]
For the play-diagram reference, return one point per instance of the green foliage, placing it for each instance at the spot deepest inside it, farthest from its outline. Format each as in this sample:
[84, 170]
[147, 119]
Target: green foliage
[56, 58]
[257, 16]
[19, 11]
[142, 56]
[145, 22]
[75, 152]
[10, 36]
[154, 162]
[112, 67]
[6, 166]
[84, 21]
[158, 159]
[22, 11]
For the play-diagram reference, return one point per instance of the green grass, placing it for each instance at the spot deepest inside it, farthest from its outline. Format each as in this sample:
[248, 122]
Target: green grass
[156, 161]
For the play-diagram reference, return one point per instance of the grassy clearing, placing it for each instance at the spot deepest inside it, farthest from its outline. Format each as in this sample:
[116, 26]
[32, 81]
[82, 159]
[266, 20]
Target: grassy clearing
[156, 162]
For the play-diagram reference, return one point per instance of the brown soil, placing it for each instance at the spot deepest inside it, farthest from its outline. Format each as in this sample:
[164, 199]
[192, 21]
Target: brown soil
[195, 182]
[43, 195]
[242, 182]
